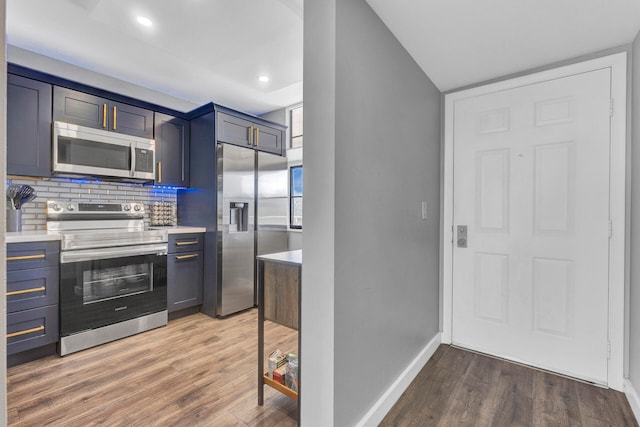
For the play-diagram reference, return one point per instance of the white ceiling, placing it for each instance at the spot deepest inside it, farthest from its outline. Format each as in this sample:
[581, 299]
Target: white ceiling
[196, 50]
[462, 42]
[213, 50]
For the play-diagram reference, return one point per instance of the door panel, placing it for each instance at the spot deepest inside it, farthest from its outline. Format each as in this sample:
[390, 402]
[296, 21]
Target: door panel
[125, 118]
[28, 127]
[79, 108]
[531, 183]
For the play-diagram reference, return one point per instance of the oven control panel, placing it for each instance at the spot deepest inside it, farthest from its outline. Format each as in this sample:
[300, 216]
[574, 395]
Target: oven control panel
[126, 209]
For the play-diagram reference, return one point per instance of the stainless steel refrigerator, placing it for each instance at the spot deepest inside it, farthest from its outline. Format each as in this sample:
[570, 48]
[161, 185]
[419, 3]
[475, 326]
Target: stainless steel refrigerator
[252, 220]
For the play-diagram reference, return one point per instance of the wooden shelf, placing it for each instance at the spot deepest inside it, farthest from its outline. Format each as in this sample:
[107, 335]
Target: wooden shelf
[280, 387]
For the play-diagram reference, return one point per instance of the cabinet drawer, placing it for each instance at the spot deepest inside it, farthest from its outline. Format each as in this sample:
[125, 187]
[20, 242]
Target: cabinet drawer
[23, 256]
[33, 328]
[186, 242]
[32, 288]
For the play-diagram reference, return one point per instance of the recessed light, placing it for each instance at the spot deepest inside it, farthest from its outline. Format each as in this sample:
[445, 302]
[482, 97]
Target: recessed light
[263, 78]
[143, 20]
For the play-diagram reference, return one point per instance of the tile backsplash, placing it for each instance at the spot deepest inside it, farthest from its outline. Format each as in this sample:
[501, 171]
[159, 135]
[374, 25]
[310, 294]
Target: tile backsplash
[87, 190]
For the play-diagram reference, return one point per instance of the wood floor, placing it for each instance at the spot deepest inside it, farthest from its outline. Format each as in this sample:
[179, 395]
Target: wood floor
[197, 371]
[461, 388]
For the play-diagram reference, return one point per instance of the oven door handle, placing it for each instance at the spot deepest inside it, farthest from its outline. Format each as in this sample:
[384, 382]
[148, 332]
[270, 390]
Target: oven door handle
[112, 252]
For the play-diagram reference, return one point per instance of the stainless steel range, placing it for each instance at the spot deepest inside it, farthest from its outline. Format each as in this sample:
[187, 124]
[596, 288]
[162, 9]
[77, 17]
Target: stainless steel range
[113, 272]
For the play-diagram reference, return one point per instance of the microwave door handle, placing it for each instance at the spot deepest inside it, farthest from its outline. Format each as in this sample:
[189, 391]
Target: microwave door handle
[133, 159]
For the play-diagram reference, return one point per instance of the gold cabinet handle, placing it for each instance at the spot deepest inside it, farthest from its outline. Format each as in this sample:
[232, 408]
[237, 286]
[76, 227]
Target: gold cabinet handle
[251, 135]
[25, 332]
[26, 291]
[257, 135]
[159, 171]
[115, 117]
[194, 242]
[24, 257]
[187, 256]
[104, 115]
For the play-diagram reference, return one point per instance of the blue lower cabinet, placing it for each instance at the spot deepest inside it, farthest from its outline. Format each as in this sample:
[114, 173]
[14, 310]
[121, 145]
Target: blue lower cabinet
[29, 329]
[185, 264]
[32, 296]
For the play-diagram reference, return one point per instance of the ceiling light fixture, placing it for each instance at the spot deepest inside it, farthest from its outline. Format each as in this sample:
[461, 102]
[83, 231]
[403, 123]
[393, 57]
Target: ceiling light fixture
[263, 78]
[143, 20]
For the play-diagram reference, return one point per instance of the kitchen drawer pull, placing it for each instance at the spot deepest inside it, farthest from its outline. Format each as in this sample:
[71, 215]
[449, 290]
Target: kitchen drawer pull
[26, 291]
[257, 136]
[21, 258]
[115, 117]
[187, 256]
[191, 242]
[25, 332]
[159, 172]
[104, 115]
[251, 135]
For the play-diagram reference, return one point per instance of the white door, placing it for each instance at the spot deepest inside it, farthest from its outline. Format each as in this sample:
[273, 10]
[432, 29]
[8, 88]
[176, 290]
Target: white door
[531, 184]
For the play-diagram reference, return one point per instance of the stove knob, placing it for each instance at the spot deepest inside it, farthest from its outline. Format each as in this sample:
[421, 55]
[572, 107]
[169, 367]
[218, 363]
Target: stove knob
[127, 208]
[136, 207]
[71, 207]
[56, 207]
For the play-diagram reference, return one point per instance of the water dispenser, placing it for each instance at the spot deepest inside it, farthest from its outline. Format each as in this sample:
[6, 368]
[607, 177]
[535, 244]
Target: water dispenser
[238, 217]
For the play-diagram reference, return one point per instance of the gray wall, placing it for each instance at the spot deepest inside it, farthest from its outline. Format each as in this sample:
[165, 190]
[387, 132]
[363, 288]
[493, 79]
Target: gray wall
[3, 171]
[317, 293]
[277, 116]
[634, 303]
[386, 256]
[377, 134]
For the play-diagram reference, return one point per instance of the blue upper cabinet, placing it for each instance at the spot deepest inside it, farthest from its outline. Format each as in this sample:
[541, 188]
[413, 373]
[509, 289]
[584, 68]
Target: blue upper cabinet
[28, 127]
[84, 109]
[172, 150]
[249, 132]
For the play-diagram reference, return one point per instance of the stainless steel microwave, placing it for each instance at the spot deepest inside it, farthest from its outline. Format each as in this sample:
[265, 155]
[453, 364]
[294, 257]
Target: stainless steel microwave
[82, 150]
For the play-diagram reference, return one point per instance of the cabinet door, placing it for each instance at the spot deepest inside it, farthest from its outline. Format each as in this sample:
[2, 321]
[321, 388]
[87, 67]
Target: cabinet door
[28, 127]
[234, 130]
[124, 118]
[268, 139]
[80, 108]
[172, 150]
[184, 280]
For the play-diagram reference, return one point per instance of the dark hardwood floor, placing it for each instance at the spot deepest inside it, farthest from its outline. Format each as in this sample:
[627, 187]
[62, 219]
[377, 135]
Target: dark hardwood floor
[197, 371]
[461, 388]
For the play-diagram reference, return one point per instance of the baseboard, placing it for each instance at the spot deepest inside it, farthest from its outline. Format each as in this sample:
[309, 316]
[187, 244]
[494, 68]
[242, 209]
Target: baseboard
[634, 398]
[389, 398]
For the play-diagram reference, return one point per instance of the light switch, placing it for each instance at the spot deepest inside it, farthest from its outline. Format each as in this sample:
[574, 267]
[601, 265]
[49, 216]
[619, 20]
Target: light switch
[424, 210]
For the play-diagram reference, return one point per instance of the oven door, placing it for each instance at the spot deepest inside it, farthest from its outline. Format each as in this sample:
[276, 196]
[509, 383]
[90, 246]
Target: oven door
[100, 287]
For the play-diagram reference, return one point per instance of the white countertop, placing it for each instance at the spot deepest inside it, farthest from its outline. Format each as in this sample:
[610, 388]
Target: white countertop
[44, 235]
[31, 236]
[288, 257]
[179, 229]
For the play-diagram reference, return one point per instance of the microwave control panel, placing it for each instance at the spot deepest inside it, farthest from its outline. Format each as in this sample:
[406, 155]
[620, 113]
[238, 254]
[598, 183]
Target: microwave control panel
[144, 160]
